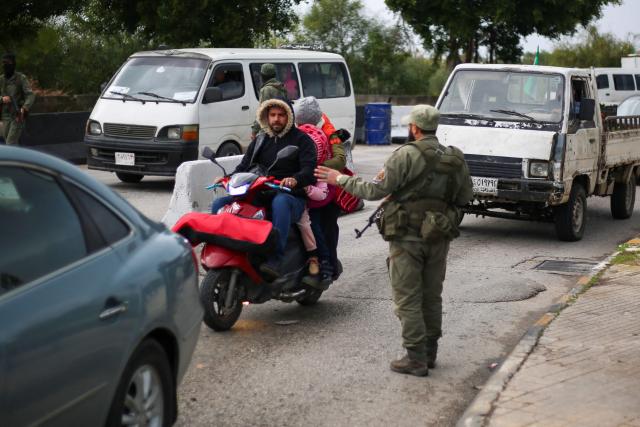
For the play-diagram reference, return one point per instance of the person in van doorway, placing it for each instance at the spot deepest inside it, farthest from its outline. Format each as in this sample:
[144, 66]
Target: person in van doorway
[17, 99]
[296, 172]
[423, 184]
[271, 88]
[307, 110]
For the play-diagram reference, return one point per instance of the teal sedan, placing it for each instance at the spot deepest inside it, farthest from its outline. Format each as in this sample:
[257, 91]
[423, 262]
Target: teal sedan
[99, 307]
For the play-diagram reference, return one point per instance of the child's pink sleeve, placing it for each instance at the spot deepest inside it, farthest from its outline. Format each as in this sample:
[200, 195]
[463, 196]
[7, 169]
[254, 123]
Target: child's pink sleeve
[317, 192]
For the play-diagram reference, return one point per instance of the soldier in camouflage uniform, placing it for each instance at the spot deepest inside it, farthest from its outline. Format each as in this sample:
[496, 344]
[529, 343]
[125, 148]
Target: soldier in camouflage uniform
[271, 88]
[17, 98]
[424, 184]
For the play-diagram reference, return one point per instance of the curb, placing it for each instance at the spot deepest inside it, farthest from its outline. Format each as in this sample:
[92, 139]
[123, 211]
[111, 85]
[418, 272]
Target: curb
[481, 408]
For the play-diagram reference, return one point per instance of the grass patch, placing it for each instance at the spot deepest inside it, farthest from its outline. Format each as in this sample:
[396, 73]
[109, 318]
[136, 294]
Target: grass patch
[625, 256]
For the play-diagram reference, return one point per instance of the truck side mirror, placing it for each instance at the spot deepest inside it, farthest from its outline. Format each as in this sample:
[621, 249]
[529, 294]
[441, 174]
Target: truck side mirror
[587, 108]
[212, 94]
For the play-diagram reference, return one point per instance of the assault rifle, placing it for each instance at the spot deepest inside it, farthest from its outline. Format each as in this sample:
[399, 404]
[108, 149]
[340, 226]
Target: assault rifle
[17, 112]
[372, 219]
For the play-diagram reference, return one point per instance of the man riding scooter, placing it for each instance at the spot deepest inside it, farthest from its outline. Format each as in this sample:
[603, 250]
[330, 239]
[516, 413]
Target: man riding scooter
[275, 117]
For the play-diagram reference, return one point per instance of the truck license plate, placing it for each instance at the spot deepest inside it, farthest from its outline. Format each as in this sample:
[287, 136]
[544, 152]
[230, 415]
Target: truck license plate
[485, 185]
[127, 159]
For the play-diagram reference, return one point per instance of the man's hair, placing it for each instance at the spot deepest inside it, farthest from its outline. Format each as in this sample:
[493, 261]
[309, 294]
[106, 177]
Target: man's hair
[280, 107]
[9, 56]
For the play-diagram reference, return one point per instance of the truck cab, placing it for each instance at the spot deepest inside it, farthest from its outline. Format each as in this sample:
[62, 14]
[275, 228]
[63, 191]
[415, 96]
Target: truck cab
[531, 135]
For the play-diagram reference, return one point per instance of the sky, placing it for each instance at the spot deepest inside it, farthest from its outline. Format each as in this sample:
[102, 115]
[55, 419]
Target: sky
[621, 20]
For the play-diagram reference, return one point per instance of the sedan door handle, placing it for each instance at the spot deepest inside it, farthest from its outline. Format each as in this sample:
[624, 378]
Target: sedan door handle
[245, 107]
[113, 311]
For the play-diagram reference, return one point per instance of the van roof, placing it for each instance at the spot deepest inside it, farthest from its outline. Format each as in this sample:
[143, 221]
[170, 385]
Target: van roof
[523, 68]
[628, 70]
[232, 53]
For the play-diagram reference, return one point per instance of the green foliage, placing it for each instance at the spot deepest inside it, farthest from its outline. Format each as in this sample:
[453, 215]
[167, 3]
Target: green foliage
[60, 58]
[336, 26]
[21, 19]
[189, 23]
[592, 50]
[449, 27]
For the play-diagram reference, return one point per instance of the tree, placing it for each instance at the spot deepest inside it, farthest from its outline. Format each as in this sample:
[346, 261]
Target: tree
[21, 19]
[335, 26]
[592, 50]
[451, 26]
[188, 23]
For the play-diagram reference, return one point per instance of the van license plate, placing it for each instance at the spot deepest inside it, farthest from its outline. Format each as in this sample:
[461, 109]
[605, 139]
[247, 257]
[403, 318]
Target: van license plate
[127, 159]
[485, 185]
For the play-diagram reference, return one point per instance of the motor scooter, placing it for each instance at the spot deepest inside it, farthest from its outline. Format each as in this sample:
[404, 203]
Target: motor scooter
[236, 241]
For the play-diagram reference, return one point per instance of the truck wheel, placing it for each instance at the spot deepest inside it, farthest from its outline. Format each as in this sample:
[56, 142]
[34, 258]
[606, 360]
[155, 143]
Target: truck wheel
[228, 149]
[623, 199]
[571, 217]
[132, 178]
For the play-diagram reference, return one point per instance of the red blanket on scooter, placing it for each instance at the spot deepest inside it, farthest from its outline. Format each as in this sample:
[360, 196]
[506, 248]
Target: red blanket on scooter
[227, 230]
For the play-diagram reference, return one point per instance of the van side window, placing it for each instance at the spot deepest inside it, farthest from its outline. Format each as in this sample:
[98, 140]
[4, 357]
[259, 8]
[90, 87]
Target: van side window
[325, 80]
[623, 82]
[285, 74]
[638, 81]
[602, 81]
[230, 79]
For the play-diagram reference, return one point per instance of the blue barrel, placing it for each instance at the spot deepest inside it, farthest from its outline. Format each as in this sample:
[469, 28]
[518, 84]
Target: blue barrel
[377, 123]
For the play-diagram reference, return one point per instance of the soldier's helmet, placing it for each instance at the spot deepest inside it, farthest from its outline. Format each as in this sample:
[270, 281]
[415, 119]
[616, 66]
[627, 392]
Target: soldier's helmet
[268, 70]
[424, 116]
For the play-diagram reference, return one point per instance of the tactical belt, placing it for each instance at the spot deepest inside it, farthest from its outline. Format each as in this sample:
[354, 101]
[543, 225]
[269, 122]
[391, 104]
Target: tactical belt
[417, 208]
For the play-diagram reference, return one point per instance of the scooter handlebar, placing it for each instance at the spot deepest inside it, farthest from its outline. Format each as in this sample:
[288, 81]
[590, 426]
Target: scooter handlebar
[277, 187]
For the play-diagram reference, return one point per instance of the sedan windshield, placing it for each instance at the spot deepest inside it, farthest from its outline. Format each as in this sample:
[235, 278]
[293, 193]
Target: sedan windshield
[158, 79]
[504, 95]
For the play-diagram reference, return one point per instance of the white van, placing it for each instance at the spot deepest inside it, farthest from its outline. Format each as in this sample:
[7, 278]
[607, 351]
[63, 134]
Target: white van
[162, 107]
[617, 84]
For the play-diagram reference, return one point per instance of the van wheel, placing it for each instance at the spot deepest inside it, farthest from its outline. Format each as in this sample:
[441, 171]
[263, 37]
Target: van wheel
[623, 199]
[228, 149]
[132, 178]
[571, 218]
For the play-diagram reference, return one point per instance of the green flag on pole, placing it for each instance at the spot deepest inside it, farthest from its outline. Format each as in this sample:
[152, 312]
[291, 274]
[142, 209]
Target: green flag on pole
[530, 83]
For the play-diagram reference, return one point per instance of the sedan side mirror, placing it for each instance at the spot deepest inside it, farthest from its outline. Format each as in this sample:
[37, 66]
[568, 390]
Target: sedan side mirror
[212, 94]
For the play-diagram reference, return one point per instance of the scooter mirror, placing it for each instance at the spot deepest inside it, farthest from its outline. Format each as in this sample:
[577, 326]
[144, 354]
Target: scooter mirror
[286, 152]
[208, 153]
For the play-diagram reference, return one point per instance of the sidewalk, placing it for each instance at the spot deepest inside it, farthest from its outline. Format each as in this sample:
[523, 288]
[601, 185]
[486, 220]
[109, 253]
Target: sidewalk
[578, 366]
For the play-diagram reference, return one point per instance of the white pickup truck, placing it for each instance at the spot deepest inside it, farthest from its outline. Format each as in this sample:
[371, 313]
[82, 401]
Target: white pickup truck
[537, 145]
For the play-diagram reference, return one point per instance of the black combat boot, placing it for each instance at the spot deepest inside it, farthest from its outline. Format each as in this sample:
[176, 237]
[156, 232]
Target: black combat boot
[432, 352]
[413, 363]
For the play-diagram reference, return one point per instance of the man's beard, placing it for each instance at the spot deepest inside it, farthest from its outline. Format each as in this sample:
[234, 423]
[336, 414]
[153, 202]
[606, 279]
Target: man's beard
[276, 127]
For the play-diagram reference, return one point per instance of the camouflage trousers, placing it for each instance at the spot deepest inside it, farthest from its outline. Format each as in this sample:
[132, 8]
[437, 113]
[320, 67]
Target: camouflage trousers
[417, 271]
[11, 130]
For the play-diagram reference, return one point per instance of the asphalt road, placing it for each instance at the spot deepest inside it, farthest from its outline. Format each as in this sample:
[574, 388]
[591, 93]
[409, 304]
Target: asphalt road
[329, 365]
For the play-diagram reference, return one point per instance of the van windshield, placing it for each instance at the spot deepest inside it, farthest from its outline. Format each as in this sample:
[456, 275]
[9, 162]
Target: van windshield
[161, 79]
[504, 95]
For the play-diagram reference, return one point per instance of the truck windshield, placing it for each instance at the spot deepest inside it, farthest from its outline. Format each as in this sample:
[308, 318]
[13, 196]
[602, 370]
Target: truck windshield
[158, 79]
[504, 95]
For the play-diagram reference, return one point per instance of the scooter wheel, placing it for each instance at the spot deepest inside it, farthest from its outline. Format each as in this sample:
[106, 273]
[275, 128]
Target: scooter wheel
[213, 291]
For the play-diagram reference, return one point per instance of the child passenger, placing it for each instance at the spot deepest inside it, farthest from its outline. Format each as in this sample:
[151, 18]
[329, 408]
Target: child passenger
[307, 115]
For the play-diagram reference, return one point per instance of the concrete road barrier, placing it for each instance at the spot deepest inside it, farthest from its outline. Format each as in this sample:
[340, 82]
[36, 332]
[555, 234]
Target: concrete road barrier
[189, 192]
